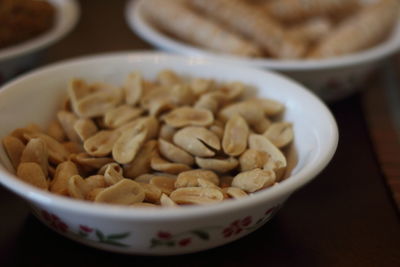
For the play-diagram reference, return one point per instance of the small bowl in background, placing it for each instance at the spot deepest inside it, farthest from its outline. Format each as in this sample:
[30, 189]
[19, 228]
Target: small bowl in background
[23, 56]
[331, 79]
[35, 97]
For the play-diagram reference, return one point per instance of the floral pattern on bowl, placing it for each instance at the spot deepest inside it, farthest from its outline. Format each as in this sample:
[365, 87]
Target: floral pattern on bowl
[161, 238]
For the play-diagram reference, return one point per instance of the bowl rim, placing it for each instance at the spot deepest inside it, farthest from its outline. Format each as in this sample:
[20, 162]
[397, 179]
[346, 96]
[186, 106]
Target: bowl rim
[285, 188]
[67, 16]
[134, 17]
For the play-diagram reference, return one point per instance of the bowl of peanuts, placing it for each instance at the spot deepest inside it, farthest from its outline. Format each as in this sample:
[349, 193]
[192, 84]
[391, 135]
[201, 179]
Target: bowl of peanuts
[150, 153]
[330, 46]
[28, 28]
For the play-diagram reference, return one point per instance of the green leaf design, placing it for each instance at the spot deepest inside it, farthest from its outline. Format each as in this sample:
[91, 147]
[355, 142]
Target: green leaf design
[82, 234]
[170, 244]
[154, 243]
[114, 243]
[100, 236]
[201, 234]
[118, 236]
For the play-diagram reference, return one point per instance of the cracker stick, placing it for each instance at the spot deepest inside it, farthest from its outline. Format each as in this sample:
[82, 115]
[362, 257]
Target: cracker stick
[311, 30]
[291, 10]
[176, 18]
[363, 30]
[254, 24]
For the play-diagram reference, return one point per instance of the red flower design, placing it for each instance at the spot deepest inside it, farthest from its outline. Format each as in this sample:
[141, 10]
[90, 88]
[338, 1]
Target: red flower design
[164, 235]
[54, 221]
[238, 231]
[235, 223]
[46, 215]
[227, 232]
[85, 228]
[184, 242]
[246, 221]
[269, 211]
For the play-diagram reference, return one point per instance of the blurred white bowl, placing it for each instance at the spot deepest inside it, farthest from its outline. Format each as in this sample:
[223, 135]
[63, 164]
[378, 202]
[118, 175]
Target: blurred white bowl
[34, 98]
[331, 79]
[18, 58]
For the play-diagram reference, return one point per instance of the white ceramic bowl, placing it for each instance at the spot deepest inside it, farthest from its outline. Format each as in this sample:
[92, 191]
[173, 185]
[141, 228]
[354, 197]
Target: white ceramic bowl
[331, 79]
[36, 96]
[23, 56]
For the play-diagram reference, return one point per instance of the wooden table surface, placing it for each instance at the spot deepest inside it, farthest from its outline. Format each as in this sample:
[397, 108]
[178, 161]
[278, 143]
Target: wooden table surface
[345, 217]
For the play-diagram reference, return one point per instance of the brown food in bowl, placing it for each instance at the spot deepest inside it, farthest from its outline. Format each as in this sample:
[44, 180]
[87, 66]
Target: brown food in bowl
[280, 29]
[137, 160]
[22, 20]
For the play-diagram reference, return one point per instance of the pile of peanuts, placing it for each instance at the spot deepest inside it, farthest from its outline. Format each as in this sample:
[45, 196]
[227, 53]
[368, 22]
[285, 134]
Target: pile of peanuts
[168, 142]
[280, 29]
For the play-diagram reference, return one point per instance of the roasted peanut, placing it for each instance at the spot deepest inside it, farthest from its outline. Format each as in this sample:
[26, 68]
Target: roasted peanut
[166, 201]
[206, 183]
[76, 186]
[252, 159]
[269, 106]
[91, 195]
[164, 183]
[158, 106]
[232, 90]
[254, 180]
[64, 171]
[225, 181]
[57, 152]
[144, 178]
[141, 163]
[220, 165]
[14, 148]
[234, 192]
[133, 88]
[280, 133]
[32, 173]
[181, 95]
[261, 143]
[23, 133]
[36, 151]
[152, 192]
[85, 160]
[218, 130]
[93, 182]
[235, 137]
[125, 192]
[200, 86]
[113, 174]
[101, 144]
[159, 164]
[73, 147]
[67, 121]
[129, 143]
[174, 153]
[85, 128]
[168, 78]
[96, 104]
[56, 131]
[197, 141]
[196, 195]
[190, 178]
[248, 111]
[186, 116]
[167, 132]
[208, 102]
[120, 115]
